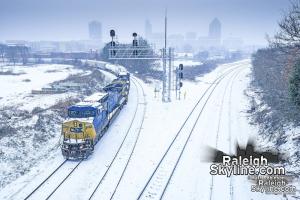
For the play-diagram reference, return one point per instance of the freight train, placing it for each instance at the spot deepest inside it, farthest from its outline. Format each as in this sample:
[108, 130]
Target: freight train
[88, 120]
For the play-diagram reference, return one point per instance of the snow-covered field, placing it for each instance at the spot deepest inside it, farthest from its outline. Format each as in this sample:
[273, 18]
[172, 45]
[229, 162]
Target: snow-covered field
[30, 123]
[223, 122]
[14, 88]
[189, 63]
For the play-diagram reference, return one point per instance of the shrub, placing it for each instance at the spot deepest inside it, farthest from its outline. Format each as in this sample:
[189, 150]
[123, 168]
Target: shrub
[294, 84]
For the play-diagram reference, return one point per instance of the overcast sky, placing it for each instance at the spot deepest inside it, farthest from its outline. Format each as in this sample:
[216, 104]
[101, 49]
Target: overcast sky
[68, 19]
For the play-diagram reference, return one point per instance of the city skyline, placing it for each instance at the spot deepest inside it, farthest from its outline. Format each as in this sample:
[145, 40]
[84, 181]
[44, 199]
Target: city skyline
[65, 20]
[213, 37]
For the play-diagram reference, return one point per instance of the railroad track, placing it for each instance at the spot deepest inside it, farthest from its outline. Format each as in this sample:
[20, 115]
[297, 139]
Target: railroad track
[72, 169]
[69, 174]
[97, 188]
[230, 81]
[56, 172]
[229, 132]
[159, 180]
[44, 181]
[231, 189]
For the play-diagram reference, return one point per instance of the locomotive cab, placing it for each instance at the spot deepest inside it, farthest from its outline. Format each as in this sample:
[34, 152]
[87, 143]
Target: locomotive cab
[84, 127]
[88, 121]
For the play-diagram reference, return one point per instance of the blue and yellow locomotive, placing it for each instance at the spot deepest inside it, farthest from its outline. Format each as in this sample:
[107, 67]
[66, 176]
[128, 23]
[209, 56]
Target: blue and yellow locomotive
[88, 120]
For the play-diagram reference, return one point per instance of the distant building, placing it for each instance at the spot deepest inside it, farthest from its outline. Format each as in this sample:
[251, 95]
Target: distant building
[95, 30]
[155, 38]
[16, 42]
[148, 29]
[233, 43]
[191, 40]
[208, 42]
[176, 40]
[158, 39]
[64, 46]
[215, 29]
[214, 35]
[191, 36]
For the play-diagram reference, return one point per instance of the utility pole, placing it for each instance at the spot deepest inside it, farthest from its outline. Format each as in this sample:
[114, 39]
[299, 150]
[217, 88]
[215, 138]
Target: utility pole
[170, 73]
[176, 82]
[164, 57]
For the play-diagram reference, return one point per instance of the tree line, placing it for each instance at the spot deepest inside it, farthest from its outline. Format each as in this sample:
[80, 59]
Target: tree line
[14, 54]
[276, 72]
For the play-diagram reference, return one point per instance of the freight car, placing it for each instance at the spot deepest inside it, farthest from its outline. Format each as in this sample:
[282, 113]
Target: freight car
[88, 120]
[125, 76]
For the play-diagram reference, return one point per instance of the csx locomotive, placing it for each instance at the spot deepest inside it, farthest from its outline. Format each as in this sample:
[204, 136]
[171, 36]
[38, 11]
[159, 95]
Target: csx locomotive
[88, 120]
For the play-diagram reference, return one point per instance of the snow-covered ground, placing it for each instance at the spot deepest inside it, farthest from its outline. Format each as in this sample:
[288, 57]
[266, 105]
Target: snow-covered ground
[30, 123]
[189, 63]
[223, 122]
[15, 87]
[16, 104]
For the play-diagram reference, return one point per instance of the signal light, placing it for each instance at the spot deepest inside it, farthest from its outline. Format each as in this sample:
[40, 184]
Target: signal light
[180, 66]
[180, 75]
[113, 52]
[180, 84]
[112, 33]
[112, 43]
[134, 43]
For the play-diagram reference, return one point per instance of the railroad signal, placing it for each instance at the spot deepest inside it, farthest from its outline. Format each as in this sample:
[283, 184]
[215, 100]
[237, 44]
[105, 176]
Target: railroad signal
[181, 67]
[112, 33]
[135, 44]
[112, 43]
[179, 77]
[180, 71]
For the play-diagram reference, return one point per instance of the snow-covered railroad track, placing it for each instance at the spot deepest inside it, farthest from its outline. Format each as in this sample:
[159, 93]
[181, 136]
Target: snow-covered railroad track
[157, 183]
[133, 133]
[59, 175]
[230, 81]
[229, 135]
[55, 180]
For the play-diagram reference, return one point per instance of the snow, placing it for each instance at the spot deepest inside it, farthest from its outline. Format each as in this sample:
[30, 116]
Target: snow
[39, 76]
[29, 126]
[108, 66]
[223, 122]
[189, 63]
[16, 91]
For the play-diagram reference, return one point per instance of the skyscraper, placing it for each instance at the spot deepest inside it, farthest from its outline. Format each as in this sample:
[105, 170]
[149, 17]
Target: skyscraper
[95, 30]
[148, 29]
[215, 29]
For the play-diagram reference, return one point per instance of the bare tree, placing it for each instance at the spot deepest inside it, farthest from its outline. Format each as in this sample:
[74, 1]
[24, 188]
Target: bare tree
[24, 53]
[2, 53]
[12, 54]
[289, 28]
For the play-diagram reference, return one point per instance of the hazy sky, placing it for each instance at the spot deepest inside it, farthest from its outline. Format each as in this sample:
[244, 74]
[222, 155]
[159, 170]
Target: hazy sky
[68, 19]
